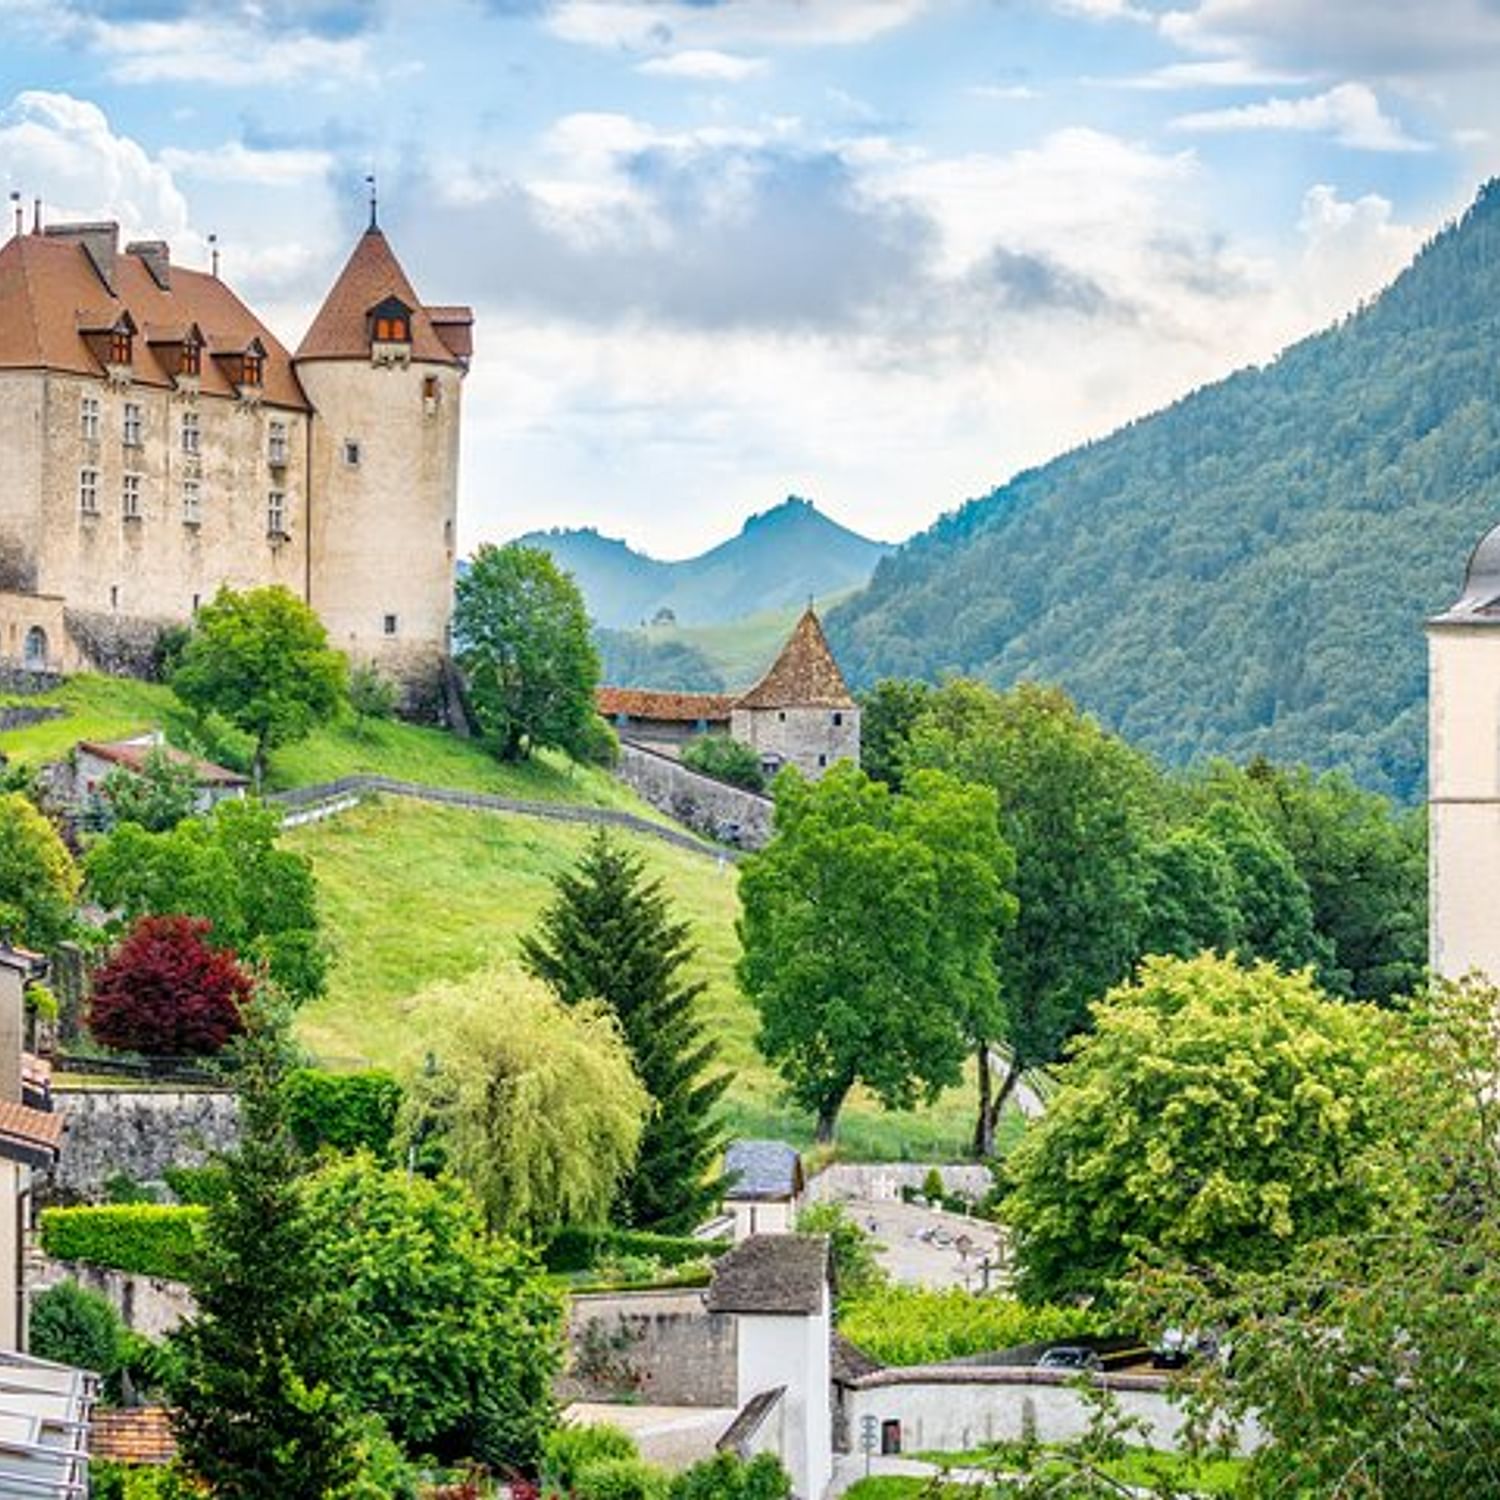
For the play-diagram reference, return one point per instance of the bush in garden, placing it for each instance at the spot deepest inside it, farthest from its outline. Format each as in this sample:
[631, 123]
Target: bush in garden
[74, 1326]
[725, 759]
[166, 992]
[620, 1479]
[569, 1450]
[346, 1111]
[726, 1477]
[151, 1239]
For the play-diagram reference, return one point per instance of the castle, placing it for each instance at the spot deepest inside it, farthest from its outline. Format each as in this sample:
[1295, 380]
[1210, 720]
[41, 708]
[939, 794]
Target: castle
[161, 442]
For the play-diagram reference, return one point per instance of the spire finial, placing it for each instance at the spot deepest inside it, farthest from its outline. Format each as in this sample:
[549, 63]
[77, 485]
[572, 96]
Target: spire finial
[374, 201]
[213, 250]
[18, 211]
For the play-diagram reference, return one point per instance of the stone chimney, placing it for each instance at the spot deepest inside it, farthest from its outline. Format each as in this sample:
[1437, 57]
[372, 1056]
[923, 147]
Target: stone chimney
[101, 240]
[157, 258]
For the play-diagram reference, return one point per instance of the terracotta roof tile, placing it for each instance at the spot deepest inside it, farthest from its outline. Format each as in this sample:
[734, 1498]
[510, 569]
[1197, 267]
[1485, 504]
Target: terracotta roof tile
[133, 756]
[673, 708]
[35, 1128]
[49, 292]
[805, 675]
[341, 328]
[132, 1435]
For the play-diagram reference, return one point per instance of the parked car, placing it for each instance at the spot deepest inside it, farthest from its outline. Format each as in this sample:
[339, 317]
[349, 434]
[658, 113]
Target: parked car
[1069, 1357]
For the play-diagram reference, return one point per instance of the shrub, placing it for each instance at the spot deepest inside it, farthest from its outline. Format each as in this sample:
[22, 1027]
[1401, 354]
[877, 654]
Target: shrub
[166, 992]
[725, 1477]
[908, 1325]
[74, 1326]
[620, 1479]
[150, 1239]
[581, 1248]
[857, 1271]
[112, 1481]
[371, 696]
[345, 1111]
[202, 1186]
[568, 1451]
[725, 759]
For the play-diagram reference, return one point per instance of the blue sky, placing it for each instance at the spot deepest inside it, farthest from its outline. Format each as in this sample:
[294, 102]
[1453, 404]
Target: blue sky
[881, 253]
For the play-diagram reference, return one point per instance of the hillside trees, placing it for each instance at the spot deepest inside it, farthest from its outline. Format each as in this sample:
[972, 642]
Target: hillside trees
[534, 1103]
[38, 880]
[1216, 1114]
[523, 644]
[868, 926]
[260, 900]
[610, 935]
[157, 797]
[262, 660]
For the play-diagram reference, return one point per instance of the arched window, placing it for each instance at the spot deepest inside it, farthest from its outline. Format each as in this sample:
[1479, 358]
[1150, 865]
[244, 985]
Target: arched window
[36, 648]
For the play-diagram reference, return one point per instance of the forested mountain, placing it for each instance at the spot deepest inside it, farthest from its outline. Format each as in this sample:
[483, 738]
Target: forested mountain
[1247, 571]
[781, 557]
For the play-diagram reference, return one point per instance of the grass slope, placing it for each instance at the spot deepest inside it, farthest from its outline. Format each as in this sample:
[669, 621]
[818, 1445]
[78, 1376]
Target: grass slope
[415, 894]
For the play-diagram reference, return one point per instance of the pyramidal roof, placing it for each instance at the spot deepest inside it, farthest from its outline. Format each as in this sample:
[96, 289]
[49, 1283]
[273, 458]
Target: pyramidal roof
[341, 329]
[805, 675]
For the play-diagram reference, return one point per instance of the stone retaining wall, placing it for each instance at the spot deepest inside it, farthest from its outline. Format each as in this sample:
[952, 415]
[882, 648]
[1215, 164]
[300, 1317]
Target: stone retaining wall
[716, 809]
[663, 1348]
[148, 1305]
[134, 1132]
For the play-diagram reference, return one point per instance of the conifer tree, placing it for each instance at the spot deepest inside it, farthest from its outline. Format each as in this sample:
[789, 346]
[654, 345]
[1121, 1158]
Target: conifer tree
[257, 1398]
[610, 935]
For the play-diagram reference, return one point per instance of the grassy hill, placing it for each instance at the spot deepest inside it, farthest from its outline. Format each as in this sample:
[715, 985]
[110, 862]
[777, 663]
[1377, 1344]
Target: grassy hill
[1246, 572]
[415, 894]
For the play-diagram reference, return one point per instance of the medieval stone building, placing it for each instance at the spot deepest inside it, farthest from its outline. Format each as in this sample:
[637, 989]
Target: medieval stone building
[1463, 773]
[160, 442]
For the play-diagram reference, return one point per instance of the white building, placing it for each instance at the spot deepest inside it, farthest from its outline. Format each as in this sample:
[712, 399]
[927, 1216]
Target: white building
[763, 1187]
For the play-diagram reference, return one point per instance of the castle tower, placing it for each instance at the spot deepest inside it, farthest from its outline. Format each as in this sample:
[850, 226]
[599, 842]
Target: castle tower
[1463, 773]
[384, 376]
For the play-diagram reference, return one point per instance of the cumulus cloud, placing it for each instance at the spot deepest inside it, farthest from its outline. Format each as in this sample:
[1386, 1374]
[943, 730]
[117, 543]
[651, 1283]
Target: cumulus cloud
[1350, 113]
[234, 161]
[704, 65]
[728, 23]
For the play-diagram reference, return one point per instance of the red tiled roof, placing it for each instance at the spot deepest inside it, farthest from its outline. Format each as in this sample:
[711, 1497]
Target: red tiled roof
[27, 1127]
[50, 293]
[667, 708]
[341, 329]
[132, 1435]
[805, 675]
[133, 757]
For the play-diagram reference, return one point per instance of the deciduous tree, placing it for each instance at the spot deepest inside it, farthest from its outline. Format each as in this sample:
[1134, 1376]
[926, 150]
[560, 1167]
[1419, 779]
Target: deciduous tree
[610, 935]
[523, 641]
[262, 660]
[38, 879]
[157, 797]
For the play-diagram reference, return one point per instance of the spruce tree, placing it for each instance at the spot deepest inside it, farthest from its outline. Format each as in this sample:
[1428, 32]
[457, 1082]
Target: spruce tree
[257, 1402]
[610, 935]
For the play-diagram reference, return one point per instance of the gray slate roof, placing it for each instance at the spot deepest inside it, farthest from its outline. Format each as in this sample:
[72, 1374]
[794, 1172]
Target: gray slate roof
[761, 1170]
[772, 1273]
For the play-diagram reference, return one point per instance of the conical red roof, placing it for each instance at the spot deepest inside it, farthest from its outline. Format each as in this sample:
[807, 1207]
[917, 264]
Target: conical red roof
[341, 329]
[805, 675]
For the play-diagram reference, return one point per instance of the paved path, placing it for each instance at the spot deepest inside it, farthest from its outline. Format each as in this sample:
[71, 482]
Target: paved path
[921, 1245]
[308, 803]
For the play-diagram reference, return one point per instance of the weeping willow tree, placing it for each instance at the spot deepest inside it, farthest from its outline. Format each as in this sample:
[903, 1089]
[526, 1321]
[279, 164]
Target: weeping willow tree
[535, 1104]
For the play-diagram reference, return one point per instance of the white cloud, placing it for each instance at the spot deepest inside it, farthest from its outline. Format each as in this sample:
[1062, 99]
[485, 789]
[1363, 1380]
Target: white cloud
[705, 65]
[236, 162]
[728, 23]
[1005, 91]
[1103, 10]
[1350, 113]
[1214, 73]
[63, 150]
[224, 53]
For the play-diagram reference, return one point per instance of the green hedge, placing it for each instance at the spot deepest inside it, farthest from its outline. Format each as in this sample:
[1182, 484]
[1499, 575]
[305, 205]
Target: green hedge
[150, 1239]
[580, 1249]
[345, 1111]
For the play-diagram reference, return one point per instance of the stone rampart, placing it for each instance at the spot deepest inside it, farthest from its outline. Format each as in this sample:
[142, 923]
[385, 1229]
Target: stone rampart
[713, 808]
[136, 1133]
[148, 1305]
[664, 1348]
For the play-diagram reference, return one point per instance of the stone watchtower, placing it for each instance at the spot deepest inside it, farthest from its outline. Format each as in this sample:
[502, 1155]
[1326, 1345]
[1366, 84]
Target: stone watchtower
[1463, 773]
[801, 712]
[384, 375]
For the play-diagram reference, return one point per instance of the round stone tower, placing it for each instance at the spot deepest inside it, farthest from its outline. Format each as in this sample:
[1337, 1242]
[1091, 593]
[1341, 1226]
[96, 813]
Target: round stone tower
[384, 375]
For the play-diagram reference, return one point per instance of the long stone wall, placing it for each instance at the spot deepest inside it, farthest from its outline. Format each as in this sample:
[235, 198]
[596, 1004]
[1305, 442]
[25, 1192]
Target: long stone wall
[148, 1305]
[882, 1182]
[663, 1348]
[134, 1132]
[713, 808]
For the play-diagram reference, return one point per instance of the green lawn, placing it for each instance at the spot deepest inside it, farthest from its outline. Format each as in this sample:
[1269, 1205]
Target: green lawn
[1140, 1467]
[415, 894]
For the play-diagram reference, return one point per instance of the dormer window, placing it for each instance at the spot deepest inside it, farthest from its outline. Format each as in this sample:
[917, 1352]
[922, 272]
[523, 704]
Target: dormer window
[119, 346]
[252, 366]
[390, 322]
[192, 357]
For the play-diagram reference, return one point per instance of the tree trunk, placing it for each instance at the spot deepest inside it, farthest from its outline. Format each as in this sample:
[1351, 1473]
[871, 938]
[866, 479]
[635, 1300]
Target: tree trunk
[828, 1115]
[258, 767]
[984, 1124]
[1007, 1088]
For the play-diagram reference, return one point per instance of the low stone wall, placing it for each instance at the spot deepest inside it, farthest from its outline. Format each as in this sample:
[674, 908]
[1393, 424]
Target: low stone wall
[23, 716]
[147, 1305]
[134, 1132]
[712, 807]
[883, 1182]
[939, 1407]
[663, 1348]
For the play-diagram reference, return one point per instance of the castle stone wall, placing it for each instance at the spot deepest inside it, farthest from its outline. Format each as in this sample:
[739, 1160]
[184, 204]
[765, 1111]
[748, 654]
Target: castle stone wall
[812, 739]
[664, 1348]
[712, 807]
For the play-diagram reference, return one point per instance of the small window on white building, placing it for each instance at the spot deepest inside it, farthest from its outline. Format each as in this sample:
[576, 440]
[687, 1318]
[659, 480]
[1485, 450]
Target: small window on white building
[191, 432]
[192, 503]
[130, 497]
[130, 430]
[276, 445]
[88, 419]
[88, 492]
[351, 453]
[838, 720]
[822, 760]
[114, 596]
[391, 623]
[276, 513]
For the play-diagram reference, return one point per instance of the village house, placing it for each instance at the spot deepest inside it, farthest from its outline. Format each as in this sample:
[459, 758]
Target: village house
[763, 1187]
[94, 761]
[162, 443]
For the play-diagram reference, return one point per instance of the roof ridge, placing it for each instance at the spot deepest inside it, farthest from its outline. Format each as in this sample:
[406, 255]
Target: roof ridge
[804, 675]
